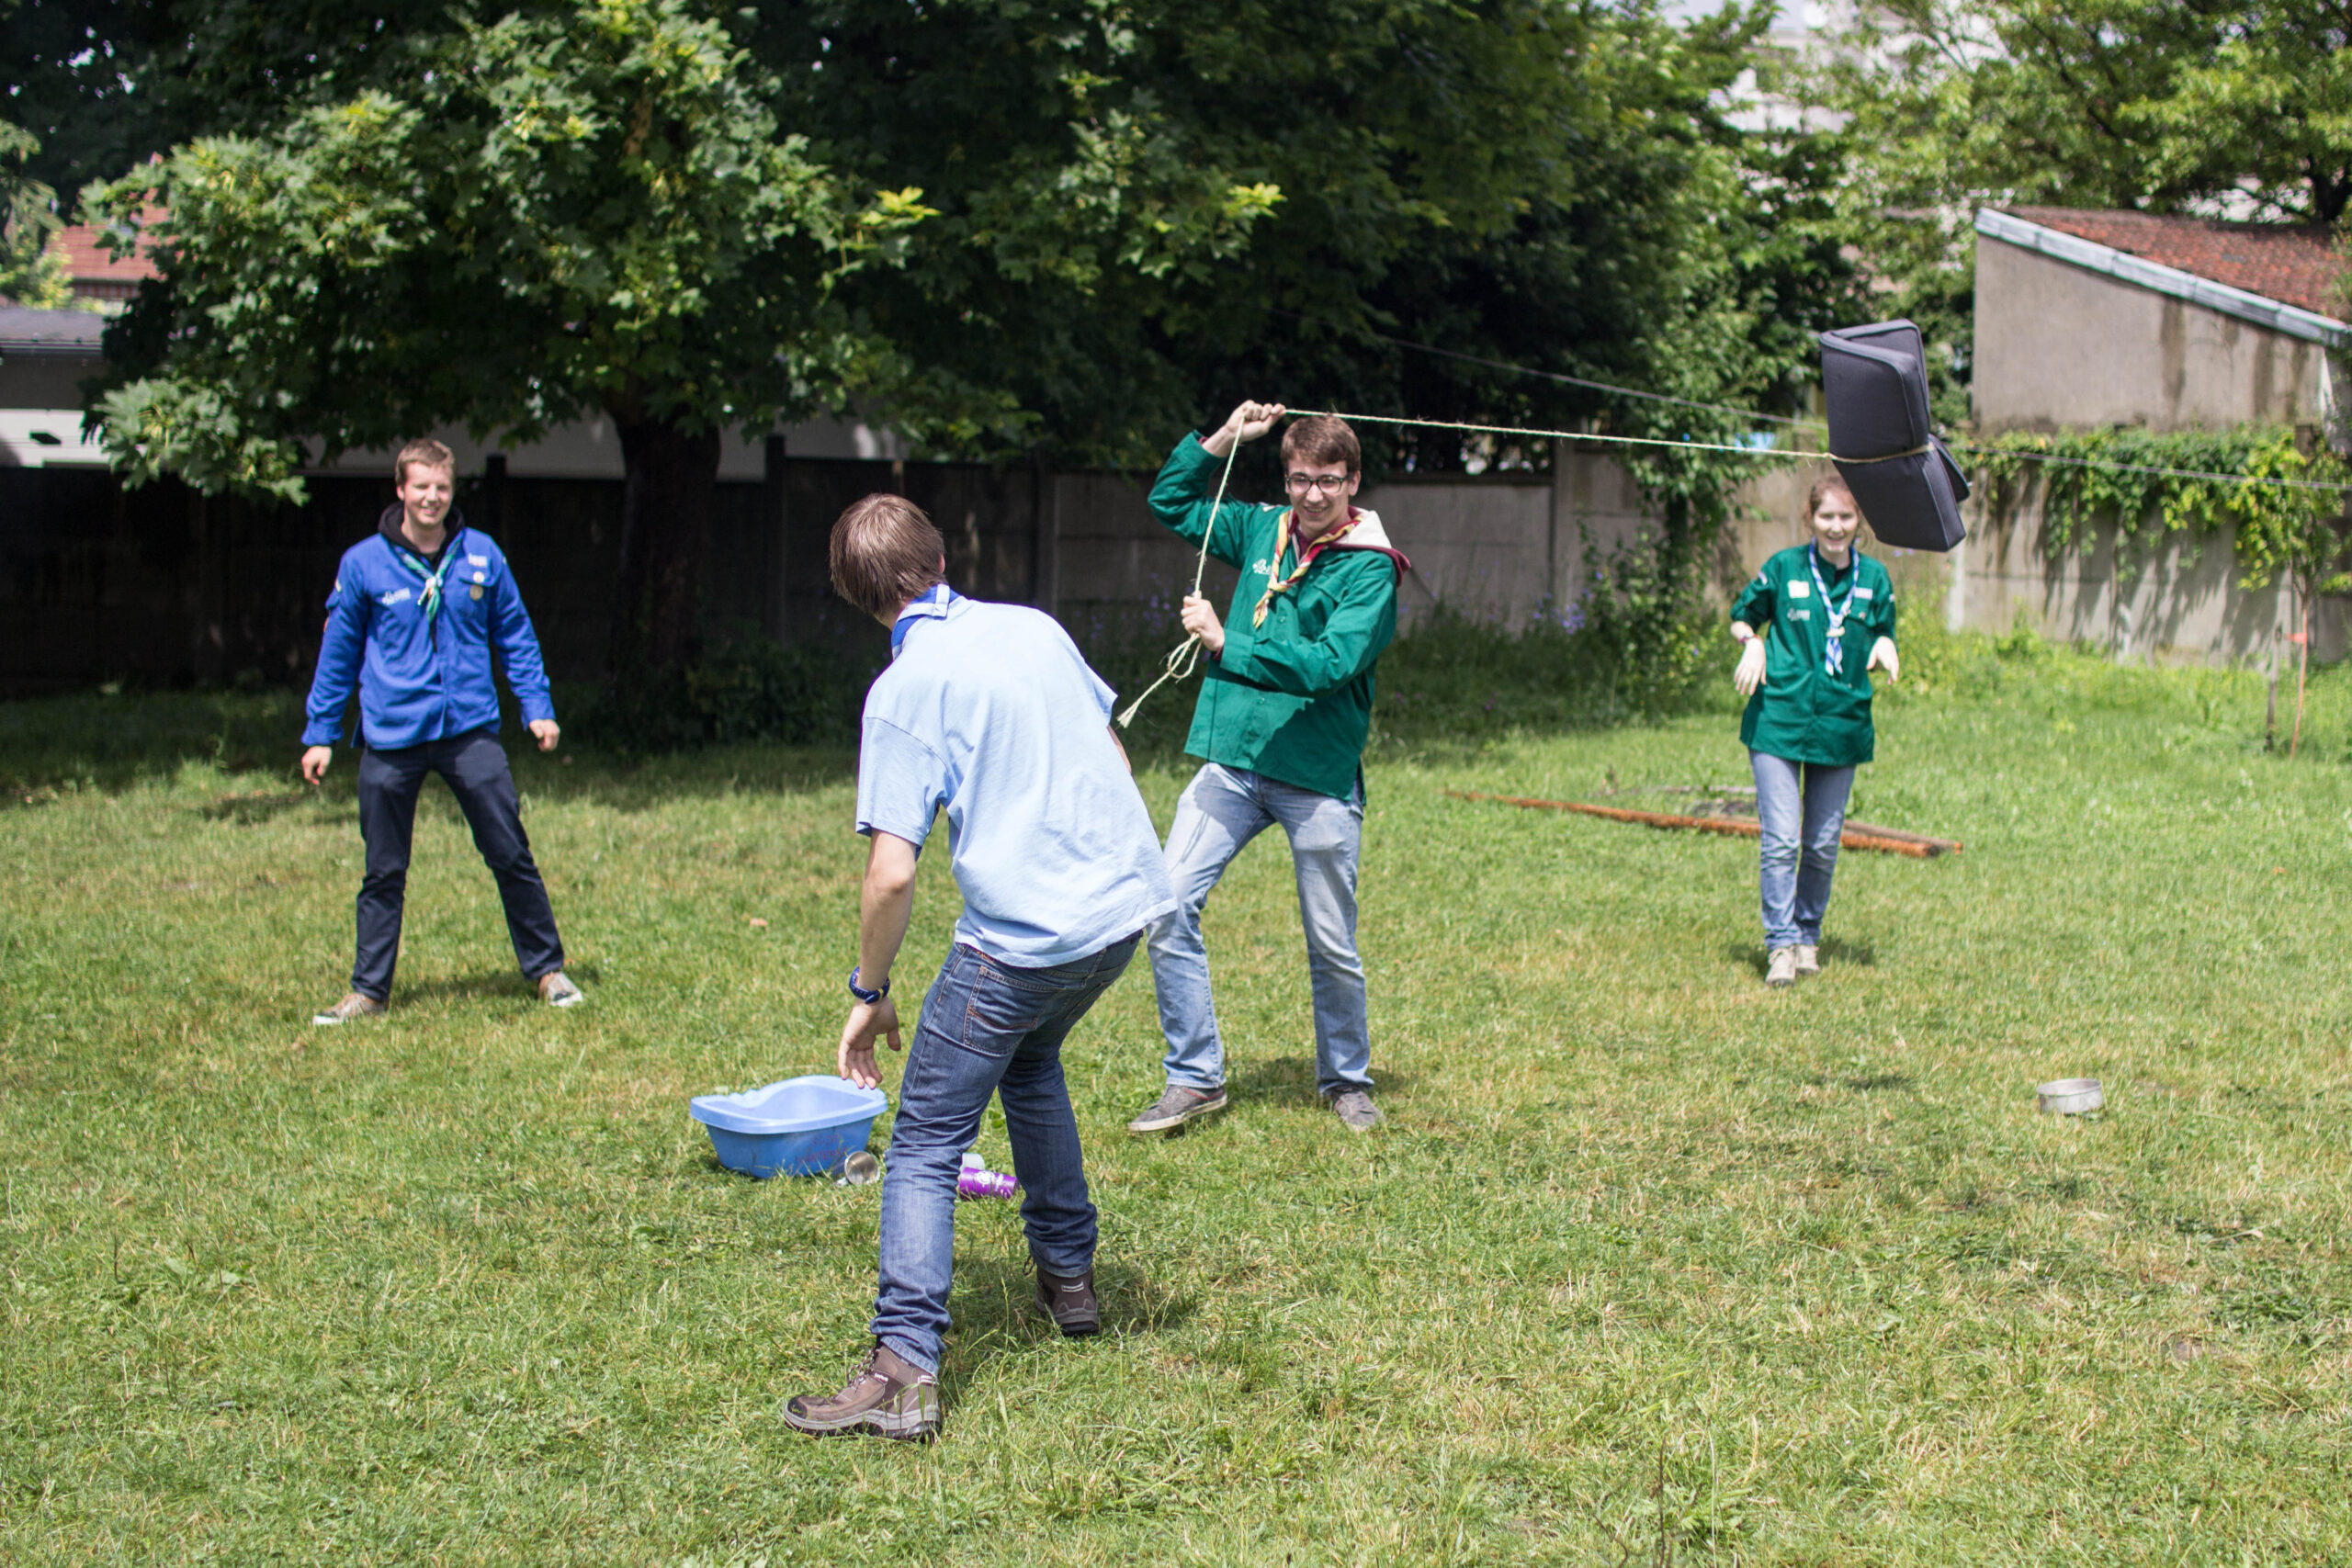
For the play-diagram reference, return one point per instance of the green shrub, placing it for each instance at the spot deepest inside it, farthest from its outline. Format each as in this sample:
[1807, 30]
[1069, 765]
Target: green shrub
[750, 689]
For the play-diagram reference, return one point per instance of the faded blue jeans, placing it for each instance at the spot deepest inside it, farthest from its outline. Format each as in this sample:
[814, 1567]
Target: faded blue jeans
[987, 1028]
[1802, 822]
[1221, 810]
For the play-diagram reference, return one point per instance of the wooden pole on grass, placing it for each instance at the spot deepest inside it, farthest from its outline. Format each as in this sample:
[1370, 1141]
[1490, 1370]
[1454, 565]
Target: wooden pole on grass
[2270, 709]
[1857, 835]
[2302, 666]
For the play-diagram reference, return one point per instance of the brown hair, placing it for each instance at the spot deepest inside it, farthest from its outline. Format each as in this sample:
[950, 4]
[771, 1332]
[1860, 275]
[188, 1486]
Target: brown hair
[1829, 484]
[885, 552]
[1322, 438]
[427, 452]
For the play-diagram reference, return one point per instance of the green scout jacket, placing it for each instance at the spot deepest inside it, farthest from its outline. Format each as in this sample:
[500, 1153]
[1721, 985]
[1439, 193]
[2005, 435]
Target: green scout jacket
[1291, 699]
[1802, 711]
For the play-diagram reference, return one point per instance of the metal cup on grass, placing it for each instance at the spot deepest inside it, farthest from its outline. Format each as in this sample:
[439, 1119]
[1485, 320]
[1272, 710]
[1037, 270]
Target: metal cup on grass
[2069, 1097]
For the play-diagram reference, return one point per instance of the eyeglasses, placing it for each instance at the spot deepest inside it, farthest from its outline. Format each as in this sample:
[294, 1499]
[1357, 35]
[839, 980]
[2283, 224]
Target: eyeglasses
[1325, 484]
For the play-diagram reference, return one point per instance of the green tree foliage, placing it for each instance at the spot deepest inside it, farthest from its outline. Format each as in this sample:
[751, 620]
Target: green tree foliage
[2157, 104]
[2241, 106]
[84, 77]
[31, 273]
[1545, 184]
[1055, 228]
[576, 211]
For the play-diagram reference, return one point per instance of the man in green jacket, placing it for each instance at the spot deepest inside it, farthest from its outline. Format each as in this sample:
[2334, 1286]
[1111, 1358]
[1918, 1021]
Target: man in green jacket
[1284, 713]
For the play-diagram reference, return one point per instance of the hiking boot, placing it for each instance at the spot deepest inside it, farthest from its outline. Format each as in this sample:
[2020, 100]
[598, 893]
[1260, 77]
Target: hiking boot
[1176, 1106]
[1781, 968]
[888, 1396]
[1069, 1300]
[1355, 1110]
[351, 1007]
[1808, 960]
[558, 992]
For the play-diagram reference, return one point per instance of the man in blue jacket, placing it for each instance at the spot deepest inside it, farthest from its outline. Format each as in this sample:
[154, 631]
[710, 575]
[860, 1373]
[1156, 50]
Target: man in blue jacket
[415, 615]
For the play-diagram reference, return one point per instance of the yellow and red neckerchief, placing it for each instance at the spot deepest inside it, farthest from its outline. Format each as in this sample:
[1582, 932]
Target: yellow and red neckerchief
[1275, 582]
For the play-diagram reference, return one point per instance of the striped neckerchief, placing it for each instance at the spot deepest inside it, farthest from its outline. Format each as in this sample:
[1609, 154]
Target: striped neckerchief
[1278, 583]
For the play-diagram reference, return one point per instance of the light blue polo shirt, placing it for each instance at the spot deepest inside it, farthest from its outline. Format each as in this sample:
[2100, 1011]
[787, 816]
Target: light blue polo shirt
[989, 712]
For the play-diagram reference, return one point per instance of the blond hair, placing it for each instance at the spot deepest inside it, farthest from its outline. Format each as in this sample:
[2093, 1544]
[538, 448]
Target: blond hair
[427, 452]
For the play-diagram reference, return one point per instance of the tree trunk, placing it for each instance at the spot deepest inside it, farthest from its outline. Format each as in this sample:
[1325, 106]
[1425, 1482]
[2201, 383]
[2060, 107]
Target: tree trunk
[665, 539]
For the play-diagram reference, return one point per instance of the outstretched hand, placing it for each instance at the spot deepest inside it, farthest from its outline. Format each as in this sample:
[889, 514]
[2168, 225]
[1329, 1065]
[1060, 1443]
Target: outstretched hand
[1882, 657]
[1751, 672]
[867, 1022]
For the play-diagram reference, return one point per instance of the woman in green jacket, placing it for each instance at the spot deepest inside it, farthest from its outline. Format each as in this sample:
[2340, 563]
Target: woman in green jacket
[1805, 624]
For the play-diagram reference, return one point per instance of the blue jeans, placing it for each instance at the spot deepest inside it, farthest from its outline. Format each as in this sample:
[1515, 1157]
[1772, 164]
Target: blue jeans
[475, 769]
[1802, 822]
[1221, 810]
[987, 1028]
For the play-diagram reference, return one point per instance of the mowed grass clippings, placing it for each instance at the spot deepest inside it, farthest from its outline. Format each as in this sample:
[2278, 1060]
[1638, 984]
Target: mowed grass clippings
[1650, 1264]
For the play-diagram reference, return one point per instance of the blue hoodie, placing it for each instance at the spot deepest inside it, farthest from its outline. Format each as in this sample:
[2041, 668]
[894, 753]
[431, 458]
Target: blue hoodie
[422, 679]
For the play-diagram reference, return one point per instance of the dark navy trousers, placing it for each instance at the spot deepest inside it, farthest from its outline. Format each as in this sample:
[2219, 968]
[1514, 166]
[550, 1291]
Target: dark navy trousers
[474, 767]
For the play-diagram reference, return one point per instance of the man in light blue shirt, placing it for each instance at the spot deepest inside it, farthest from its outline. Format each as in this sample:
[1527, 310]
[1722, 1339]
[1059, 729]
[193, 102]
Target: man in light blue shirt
[988, 714]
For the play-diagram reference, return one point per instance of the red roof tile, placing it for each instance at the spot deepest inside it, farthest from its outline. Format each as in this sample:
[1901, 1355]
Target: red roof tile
[2294, 265]
[97, 272]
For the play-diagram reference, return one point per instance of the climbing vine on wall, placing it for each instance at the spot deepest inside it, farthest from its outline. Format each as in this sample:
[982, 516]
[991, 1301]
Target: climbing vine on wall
[2281, 528]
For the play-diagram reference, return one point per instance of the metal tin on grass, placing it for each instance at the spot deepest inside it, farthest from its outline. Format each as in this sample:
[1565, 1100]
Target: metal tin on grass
[2070, 1096]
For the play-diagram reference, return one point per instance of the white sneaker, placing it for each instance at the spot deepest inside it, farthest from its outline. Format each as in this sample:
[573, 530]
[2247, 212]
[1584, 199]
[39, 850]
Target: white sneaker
[1808, 960]
[1781, 969]
[558, 992]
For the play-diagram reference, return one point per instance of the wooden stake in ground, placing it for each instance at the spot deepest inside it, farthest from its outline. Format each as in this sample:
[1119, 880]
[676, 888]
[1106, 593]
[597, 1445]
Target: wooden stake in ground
[2302, 666]
[2270, 709]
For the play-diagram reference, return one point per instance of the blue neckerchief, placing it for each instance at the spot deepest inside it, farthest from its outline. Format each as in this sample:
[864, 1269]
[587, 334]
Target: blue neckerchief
[1832, 656]
[429, 598]
[934, 605]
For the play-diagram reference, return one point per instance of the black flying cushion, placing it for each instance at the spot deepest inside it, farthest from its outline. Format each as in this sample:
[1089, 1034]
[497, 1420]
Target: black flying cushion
[1905, 483]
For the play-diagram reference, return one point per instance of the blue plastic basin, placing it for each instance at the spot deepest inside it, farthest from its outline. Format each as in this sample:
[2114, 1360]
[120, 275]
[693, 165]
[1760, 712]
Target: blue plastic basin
[798, 1127]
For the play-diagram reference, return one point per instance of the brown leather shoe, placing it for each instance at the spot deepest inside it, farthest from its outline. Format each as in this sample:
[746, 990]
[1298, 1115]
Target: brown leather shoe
[1070, 1301]
[352, 1006]
[888, 1396]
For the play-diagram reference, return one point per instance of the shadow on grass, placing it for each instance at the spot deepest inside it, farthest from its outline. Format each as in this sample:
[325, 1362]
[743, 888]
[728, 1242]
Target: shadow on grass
[112, 744]
[1835, 953]
[1290, 1081]
[1837, 950]
[491, 984]
[995, 1312]
[1867, 1082]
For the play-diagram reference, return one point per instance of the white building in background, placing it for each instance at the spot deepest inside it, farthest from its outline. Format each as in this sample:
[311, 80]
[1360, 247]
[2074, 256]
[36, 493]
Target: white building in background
[1806, 33]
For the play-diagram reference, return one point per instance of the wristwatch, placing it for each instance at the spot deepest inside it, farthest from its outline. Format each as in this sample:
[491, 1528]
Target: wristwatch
[861, 994]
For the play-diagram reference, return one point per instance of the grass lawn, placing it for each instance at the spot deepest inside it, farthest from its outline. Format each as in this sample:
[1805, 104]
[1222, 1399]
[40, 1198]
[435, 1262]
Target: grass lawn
[1650, 1264]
